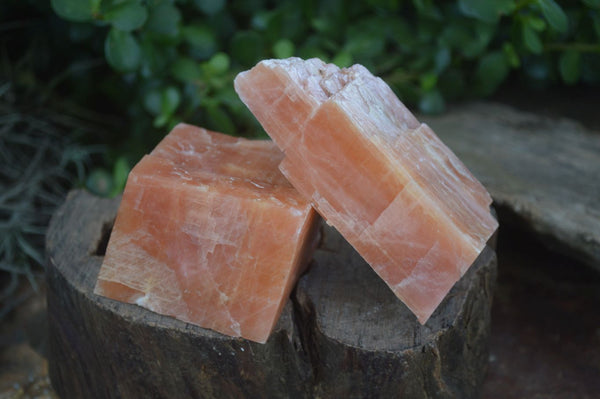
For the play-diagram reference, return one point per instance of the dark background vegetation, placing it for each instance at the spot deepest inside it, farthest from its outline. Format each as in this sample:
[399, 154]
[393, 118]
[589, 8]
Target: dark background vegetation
[88, 86]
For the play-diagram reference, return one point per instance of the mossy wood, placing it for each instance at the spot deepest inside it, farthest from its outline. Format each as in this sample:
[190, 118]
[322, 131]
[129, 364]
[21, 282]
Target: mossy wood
[342, 334]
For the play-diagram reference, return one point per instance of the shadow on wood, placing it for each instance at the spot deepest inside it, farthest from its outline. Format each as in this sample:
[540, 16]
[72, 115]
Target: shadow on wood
[342, 334]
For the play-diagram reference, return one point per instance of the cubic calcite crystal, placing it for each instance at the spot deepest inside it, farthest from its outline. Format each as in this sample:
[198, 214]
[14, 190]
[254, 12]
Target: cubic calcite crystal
[209, 232]
[388, 184]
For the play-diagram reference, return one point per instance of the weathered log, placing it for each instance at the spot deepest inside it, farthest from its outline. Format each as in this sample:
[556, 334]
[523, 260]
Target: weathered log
[542, 172]
[343, 334]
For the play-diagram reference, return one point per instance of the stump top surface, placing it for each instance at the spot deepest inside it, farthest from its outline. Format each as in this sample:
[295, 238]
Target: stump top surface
[356, 307]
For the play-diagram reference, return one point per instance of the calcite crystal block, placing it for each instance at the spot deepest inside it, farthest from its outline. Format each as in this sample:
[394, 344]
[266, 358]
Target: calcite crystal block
[388, 184]
[209, 232]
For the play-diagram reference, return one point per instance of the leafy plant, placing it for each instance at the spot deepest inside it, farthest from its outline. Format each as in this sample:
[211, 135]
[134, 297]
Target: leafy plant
[180, 56]
[38, 164]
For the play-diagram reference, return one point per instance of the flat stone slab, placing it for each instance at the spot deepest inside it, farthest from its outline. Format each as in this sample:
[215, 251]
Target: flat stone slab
[544, 171]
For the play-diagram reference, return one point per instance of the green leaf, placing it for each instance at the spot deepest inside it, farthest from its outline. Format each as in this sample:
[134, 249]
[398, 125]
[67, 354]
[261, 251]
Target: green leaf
[532, 39]
[122, 50]
[161, 120]
[75, 10]
[162, 103]
[427, 31]
[209, 7]
[260, 20]
[592, 3]
[164, 20]
[312, 51]
[292, 25]
[186, 70]
[536, 23]
[152, 101]
[156, 58]
[283, 48]
[569, 65]
[219, 63]
[427, 8]
[247, 47]
[223, 24]
[442, 59]
[366, 39]
[219, 120]
[342, 59]
[170, 100]
[402, 34]
[247, 7]
[120, 172]
[227, 96]
[487, 10]
[428, 81]
[511, 55]
[491, 71]
[478, 40]
[127, 16]
[321, 25]
[217, 83]
[202, 40]
[554, 14]
[432, 102]
[455, 35]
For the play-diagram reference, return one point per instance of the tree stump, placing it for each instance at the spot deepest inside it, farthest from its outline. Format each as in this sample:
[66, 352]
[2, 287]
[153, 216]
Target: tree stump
[343, 334]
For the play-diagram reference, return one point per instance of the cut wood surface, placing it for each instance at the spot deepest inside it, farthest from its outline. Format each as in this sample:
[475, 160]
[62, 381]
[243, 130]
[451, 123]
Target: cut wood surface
[543, 171]
[342, 334]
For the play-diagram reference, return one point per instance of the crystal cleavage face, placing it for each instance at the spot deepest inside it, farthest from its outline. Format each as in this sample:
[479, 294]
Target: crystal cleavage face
[209, 232]
[386, 182]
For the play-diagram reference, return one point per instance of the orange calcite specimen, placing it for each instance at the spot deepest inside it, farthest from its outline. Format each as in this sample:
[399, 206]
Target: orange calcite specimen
[385, 181]
[210, 232]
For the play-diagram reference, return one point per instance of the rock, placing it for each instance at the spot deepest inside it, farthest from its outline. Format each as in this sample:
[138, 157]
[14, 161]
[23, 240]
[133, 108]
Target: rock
[101, 348]
[543, 171]
[211, 233]
[343, 334]
[385, 181]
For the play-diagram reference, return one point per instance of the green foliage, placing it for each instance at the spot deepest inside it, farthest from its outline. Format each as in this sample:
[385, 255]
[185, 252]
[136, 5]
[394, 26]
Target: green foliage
[105, 184]
[77, 11]
[177, 59]
[122, 50]
[126, 16]
[569, 66]
[555, 16]
[489, 11]
[38, 164]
